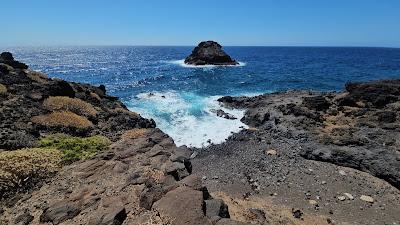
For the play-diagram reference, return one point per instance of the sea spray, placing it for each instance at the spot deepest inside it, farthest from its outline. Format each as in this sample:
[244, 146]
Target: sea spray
[187, 117]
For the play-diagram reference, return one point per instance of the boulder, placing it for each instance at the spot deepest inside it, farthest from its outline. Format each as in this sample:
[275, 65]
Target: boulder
[221, 113]
[209, 53]
[255, 118]
[184, 206]
[318, 103]
[7, 58]
[60, 212]
[216, 208]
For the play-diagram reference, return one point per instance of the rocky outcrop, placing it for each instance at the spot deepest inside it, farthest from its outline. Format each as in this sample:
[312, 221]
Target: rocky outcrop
[7, 58]
[209, 53]
[27, 91]
[357, 128]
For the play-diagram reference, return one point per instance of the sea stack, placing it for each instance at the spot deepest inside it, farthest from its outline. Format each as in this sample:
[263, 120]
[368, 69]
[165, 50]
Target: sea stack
[209, 53]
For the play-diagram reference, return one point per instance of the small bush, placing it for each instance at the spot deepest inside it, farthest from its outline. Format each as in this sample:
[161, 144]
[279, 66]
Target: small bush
[127, 112]
[37, 76]
[27, 165]
[3, 89]
[75, 105]
[75, 148]
[63, 119]
[95, 96]
[135, 133]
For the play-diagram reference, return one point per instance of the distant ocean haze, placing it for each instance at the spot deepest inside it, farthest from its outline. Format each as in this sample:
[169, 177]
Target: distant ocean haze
[183, 96]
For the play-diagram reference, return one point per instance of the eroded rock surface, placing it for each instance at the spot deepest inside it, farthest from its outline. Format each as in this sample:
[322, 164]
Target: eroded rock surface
[209, 53]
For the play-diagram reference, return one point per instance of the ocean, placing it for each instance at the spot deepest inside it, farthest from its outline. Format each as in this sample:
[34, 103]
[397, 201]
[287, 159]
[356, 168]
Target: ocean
[155, 82]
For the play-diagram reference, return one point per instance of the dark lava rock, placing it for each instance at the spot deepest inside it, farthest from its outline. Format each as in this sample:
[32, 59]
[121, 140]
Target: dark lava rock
[297, 213]
[24, 219]
[380, 163]
[60, 212]
[375, 94]
[7, 58]
[209, 53]
[255, 118]
[318, 103]
[216, 207]
[223, 114]
[386, 116]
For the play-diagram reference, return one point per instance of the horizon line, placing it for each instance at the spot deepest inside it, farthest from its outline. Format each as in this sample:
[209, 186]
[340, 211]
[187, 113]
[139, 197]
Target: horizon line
[150, 45]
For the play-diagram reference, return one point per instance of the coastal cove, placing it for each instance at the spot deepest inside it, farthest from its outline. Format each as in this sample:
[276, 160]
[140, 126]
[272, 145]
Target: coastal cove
[72, 154]
[132, 73]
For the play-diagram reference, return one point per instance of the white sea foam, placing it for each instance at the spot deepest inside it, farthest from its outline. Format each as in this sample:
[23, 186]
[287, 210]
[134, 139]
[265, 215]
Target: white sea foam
[187, 117]
[183, 64]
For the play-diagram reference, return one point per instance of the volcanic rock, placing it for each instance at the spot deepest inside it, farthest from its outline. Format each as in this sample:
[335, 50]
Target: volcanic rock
[7, 58]
[209, 53]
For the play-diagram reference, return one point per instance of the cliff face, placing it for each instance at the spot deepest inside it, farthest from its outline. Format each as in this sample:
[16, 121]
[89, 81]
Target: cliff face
[138, 175]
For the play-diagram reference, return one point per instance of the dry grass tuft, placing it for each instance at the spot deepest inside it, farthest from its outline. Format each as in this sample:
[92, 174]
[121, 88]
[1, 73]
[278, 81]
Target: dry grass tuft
[135, 133]
[3, 89]
[95, 96]
[64, 119]
[22, 166]
[122, 110]
[75, 105]
[37, 76]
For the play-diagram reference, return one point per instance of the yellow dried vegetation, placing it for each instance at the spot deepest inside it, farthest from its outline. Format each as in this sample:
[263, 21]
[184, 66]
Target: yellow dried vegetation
[37, 76]
[21, 166]
[75, 105]
[3, 89]
[135, 133]
[63, 119]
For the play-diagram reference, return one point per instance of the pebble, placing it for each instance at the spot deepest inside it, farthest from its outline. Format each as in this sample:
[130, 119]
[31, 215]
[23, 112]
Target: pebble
[367, 198]
[313, 202]
[323, 182]
[341, 198]
[341, 172]
[349, 196]
[193, 155]
[271, 152]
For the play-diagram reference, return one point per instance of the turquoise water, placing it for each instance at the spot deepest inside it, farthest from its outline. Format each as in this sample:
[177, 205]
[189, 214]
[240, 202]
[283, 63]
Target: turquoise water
[182, 96]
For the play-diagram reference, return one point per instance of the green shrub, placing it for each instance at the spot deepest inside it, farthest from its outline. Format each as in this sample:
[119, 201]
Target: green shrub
[75, 148]
[75, 105]
[63, 119]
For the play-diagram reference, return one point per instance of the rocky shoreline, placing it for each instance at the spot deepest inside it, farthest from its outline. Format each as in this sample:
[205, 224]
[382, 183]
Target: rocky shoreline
[306, 151]
[307, 158]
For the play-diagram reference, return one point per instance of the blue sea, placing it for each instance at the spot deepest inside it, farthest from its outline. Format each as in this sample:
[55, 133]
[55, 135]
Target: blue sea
[155, 82]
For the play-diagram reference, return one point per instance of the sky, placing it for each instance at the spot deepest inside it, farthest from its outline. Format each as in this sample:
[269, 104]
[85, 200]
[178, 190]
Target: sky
[185, 22]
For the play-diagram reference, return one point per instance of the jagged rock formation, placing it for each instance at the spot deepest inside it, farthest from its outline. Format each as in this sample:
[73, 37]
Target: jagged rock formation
[209, 53]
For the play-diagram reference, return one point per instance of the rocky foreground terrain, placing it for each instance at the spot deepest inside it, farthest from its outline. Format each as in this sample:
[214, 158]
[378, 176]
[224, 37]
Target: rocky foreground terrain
[71, 154]
[334, 158]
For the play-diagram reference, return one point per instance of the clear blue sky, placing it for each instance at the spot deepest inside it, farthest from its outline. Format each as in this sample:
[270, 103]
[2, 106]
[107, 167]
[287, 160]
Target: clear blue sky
[186, 22]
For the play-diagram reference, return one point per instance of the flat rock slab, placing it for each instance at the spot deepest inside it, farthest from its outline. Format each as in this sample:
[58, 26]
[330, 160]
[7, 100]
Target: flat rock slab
[184, 206]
